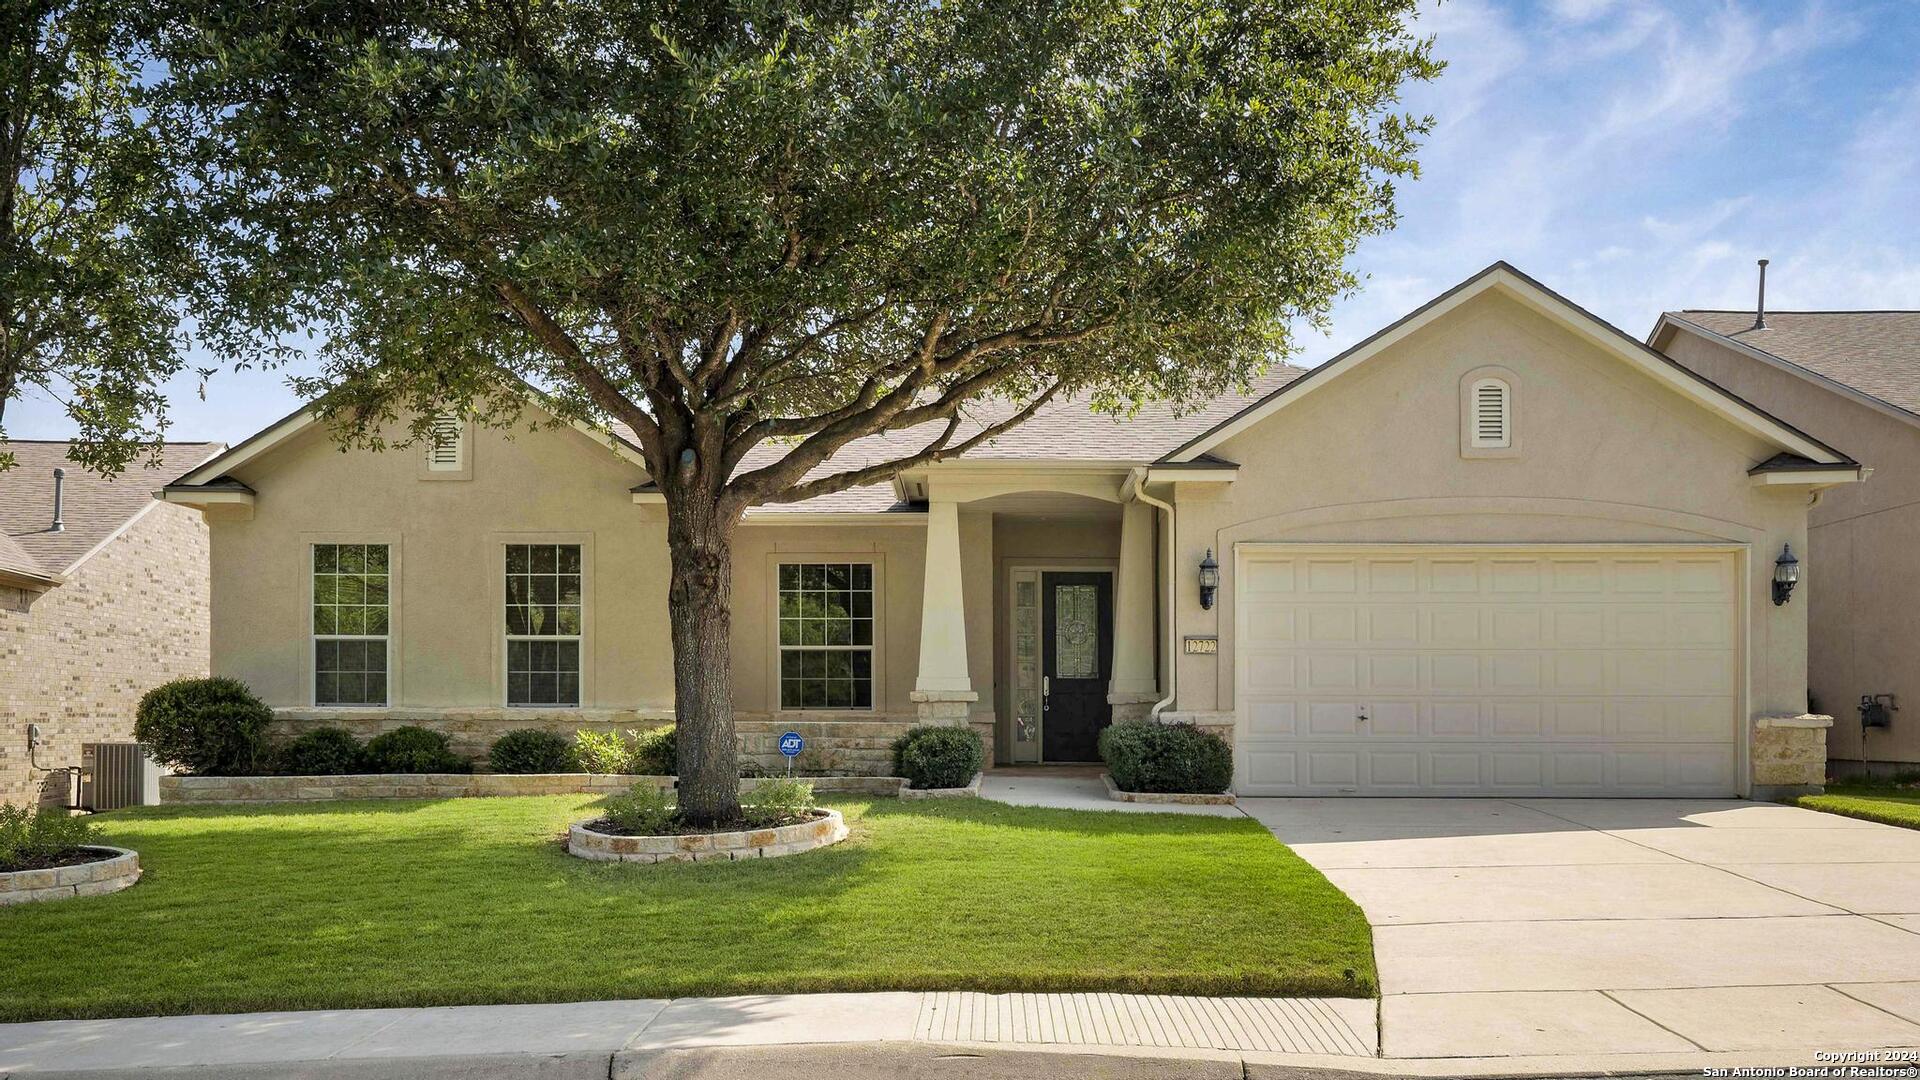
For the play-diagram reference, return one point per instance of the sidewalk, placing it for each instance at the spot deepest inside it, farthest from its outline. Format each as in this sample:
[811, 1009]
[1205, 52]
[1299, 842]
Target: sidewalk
[1125, 1034]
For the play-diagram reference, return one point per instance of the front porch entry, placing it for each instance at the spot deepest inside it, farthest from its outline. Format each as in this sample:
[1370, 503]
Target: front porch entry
[1063, 657]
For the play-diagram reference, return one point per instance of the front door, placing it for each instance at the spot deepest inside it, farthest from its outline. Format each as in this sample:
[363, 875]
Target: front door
[1077, 658]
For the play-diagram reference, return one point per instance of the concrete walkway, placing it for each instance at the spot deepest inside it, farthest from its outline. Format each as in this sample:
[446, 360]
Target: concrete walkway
[1579, 927]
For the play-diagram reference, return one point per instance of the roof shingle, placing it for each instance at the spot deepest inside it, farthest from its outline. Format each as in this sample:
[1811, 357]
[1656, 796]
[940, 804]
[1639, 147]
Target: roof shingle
[1874, 352]
[94, 507]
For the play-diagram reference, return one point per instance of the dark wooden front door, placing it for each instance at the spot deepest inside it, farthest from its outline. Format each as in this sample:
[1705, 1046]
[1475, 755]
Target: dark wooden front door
[1076, 648]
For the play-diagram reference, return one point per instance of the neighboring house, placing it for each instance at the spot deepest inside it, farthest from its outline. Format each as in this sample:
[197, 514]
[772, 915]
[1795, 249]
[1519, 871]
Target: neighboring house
[97, 606]
[1497, 548]
[1855, 374]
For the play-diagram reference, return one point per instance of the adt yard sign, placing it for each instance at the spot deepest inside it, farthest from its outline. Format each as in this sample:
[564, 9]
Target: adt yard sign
[791, 744]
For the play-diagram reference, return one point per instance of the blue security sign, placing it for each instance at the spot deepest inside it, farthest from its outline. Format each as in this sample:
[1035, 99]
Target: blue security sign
[791, 744]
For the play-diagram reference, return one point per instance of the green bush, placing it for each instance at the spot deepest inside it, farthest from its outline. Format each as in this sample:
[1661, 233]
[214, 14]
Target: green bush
[645, 810]
[36, 838]
[775, 802]
[938, 756]
[327, 751]
[1178, 758]
[634, 753]
[413, 749]
[208, 727]
[657, 752]
[533, 751]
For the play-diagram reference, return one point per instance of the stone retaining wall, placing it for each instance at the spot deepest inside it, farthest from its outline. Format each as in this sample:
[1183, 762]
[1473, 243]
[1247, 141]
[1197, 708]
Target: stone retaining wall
[708, 847]
[258, 789]
[837, 745]
[1789, 755]
[65, 882]
[265, 789]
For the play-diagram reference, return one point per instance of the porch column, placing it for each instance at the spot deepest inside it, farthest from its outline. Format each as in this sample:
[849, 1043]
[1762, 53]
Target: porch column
[943, 692]
[1134, 688]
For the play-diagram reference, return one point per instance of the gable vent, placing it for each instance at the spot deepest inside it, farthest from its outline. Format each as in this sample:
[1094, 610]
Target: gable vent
[1492, 414]
[448, 450]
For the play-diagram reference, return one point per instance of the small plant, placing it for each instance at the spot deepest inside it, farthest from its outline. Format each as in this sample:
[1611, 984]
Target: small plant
[645, 810]
[777, 802]
[938, 756]
[531, 750]
[751, 769]
[413, 749]
[327, 751]
[605, 752]
[41, 837]
[208, 727]
[1177, 758]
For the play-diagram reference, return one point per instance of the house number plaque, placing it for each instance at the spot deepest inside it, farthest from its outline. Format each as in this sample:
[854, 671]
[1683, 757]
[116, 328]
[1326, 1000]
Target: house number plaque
[1202, 646]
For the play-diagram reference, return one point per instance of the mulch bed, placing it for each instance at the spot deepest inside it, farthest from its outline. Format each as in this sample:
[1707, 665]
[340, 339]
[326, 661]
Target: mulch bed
[607, 828]
[69, 858]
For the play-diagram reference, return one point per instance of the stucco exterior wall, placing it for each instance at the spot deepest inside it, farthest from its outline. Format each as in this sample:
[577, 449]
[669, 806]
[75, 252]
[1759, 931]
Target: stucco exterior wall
[1861, 566]
[550, 485]
[1605, 454]
[77, 658]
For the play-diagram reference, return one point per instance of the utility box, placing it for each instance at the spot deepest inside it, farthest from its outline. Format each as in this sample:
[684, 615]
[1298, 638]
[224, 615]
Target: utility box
[113, 775]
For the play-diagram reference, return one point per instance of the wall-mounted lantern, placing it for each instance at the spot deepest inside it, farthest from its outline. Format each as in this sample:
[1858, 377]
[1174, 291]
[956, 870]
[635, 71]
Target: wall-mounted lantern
[1786, 574]
[1209, 581]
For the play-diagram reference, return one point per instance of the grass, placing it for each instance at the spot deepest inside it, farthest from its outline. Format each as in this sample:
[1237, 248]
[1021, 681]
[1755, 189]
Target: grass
[474, 901]
[1886, 803]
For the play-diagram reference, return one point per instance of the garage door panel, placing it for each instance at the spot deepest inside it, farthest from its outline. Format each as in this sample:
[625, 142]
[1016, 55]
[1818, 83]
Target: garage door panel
[1490, 672]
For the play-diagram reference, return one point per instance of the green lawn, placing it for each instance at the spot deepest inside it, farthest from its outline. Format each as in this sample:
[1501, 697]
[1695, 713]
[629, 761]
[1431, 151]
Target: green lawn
[474, 900]
[1885, 803]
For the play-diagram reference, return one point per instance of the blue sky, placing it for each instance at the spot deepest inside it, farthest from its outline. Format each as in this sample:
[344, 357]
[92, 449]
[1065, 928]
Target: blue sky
[1634, 155]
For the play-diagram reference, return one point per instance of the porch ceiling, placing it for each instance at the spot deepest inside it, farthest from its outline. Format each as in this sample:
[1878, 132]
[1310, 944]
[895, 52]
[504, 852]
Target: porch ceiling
[1048, 505]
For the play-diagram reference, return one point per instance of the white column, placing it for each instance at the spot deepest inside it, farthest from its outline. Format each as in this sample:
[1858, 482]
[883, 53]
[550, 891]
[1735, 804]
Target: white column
[943, 619]
[1134, 685]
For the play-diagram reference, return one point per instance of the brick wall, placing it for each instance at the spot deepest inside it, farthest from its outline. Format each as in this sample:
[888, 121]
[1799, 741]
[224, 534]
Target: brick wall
[76, 658]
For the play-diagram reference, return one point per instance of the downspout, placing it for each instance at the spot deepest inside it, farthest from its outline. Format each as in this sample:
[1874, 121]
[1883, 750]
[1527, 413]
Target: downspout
[1173, 584]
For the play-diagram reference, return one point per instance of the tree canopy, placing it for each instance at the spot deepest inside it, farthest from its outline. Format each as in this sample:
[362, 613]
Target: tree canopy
[731, 222]
[90, 265]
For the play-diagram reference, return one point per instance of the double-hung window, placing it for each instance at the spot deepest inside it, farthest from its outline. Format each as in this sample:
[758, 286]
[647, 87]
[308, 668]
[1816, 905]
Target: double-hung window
[543, 620]
[350, 623]
[826, 635]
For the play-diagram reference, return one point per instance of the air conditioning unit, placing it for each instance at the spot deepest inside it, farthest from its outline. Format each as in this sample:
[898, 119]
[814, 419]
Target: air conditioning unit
[113, 775]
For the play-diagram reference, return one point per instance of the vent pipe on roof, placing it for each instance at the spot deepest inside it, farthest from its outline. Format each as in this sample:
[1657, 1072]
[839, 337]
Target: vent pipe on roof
[59, 491]
[1760, 305]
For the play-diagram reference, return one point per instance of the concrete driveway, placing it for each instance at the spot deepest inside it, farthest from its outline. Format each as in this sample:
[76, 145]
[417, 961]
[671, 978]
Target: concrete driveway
[1614, 926]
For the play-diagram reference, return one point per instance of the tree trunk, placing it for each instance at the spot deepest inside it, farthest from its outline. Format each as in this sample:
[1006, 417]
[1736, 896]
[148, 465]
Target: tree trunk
[699, 606]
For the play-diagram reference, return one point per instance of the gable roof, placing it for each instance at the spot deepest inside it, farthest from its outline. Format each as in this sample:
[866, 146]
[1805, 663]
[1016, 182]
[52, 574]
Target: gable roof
[1511, 282]
[1875, 354]
[95, 508]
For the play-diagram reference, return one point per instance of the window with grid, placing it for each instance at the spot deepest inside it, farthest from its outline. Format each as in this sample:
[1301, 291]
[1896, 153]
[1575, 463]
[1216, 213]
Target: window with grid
[350, 619]
[826, 635]
[543, 624]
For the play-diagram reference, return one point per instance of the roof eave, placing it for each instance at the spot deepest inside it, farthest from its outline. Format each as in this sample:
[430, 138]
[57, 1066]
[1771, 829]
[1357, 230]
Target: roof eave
[1671, 323]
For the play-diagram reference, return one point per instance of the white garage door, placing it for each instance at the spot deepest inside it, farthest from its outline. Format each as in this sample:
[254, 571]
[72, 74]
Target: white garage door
[1484, 671]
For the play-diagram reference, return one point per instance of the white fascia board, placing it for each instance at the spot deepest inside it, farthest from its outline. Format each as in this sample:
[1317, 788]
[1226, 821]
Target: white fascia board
[808, 517]
[1581, 322]
[1669, 325]
[1809, 477]
[1219, 474]
[650, 498]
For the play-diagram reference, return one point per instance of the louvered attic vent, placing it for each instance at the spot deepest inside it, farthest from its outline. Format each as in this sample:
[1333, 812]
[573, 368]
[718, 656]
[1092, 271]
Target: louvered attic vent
[1492, 414]
[448, 450]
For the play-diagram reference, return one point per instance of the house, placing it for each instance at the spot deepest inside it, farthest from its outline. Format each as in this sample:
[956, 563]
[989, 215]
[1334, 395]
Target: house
[1856, 372]
[103, 595]
[1499, 547]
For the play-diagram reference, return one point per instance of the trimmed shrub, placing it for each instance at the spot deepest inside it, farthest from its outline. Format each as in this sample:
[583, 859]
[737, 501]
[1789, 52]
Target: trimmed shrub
[533, 751]
[644, 810]
[1173, 758]
[207, 727]
[938, 756]
[657, 752]
[327, 751]
[413, 749]
[41, 837]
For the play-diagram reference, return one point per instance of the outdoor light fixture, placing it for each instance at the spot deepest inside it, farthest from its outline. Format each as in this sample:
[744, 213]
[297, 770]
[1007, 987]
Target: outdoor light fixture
[1786, 574]
[1209, 580]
